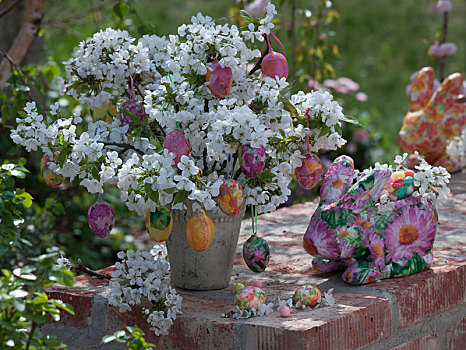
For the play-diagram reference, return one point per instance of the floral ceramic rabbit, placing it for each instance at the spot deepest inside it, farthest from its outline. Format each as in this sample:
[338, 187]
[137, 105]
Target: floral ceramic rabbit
[433, 118]
[347, 231]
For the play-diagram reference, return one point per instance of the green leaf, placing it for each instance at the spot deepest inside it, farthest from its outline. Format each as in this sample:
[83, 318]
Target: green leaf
[2, 205]
[8, 195]
[154, 195]
[64, 152]
[180, 196]
[8, 181]
[349, 119]
[120, 10]
[19, 304]
[44, 257]
[288, 105]
[26, 199]
[18, 173]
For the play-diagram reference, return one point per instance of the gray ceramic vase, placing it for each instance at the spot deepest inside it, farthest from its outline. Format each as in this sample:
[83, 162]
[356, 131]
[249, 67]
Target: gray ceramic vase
[210, 269]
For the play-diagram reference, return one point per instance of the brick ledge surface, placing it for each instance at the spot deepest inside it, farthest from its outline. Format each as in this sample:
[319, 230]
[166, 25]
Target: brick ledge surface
[423, 311]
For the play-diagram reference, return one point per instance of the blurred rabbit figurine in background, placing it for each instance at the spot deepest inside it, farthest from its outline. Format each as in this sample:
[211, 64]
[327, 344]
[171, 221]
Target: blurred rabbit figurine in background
[347, 231]
[433, 119]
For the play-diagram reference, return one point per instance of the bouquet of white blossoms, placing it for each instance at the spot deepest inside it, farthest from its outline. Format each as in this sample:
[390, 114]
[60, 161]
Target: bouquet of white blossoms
[175, 117]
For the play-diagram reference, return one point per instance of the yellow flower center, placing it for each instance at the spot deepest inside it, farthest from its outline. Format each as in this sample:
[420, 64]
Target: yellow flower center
[408, 234]
[338, 184]
[310, 247]
[377, 250]
[343, 233]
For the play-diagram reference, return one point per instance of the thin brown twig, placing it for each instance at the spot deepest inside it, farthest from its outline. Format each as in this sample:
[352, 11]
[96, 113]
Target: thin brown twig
[17, 69]
[79, 267]
[444, 39]
[11, 7]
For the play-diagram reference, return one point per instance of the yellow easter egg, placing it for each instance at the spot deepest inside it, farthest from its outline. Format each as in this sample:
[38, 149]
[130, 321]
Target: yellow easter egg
[200, 232]
[107, 111]
[159, 224]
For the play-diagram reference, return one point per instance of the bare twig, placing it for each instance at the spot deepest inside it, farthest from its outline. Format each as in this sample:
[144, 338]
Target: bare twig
[125, 147]
[9, 8]
[20, 73]
[79, 267]
[293, 40]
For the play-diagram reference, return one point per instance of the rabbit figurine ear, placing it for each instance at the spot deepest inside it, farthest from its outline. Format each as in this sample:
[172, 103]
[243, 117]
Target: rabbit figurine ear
[369, 187]
[444, 97]
[421, 89]
[337, 180]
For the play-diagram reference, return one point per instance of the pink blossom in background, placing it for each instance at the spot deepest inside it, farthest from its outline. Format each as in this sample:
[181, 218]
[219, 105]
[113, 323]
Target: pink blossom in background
[313, 84]
[351, 148]
[445, 49]
[342, 85]
[441, 6]
[256, 8]
[361, 96]
[323, 36]
[360, 136]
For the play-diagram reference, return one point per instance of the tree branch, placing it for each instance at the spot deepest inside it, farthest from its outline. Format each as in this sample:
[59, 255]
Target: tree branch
[24, 39]
[79, 267]
[125, 146]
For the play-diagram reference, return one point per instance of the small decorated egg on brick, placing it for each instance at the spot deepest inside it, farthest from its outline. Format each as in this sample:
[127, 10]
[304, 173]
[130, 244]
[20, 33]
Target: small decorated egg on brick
[132, 106]
[101, 218]
[175, 142]
[252, 160]
[275, 64]
[159, 224]
[309, 173]
[230, 198]
[285, 311]
[256, 253]
[220, 79]
[250, 297]
[307, 295]
[52, 179]
[200, 232]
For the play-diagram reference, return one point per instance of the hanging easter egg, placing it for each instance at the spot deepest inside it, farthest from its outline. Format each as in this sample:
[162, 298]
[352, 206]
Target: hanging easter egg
[175, 142]
[52, 179]
[309, 173]
[220, 79]
[306, 295]
[200, 232]
[274, 64]
[249, 297]
[256, 253]
[252, 160]
[230, 198]
[159, 224]
[136, 108]
[101, 218]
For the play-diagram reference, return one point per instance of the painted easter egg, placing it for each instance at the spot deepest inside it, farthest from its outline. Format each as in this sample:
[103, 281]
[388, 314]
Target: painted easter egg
[50, 178]
[101, 218]
[252, 160]
[306, 295]
[230, 198]
[159, 224]
[274, 64]
[309, 173]
[256, 253]
[220, 79]
[249, 297]
[175, 142]
[132, 106]
[105, 112]
[200, 232]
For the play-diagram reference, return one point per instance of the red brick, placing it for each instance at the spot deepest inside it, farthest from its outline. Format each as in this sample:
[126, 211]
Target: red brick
[428, 292]
[355, 321]
[200, 327]
[80, 300]
[457, 336]
[428, 342]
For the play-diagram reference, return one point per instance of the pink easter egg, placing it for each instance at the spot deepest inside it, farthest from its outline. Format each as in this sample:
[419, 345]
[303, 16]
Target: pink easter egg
[252, 160]
[220, 79]
[175, 142]
[309, 173]
[135, 107]
[274, 64]
[285, 311]
[255, 283]
[101, 218]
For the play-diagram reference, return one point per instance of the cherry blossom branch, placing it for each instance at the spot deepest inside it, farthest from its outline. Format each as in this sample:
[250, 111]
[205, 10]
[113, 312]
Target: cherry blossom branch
[79, 267]
[125, 146]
